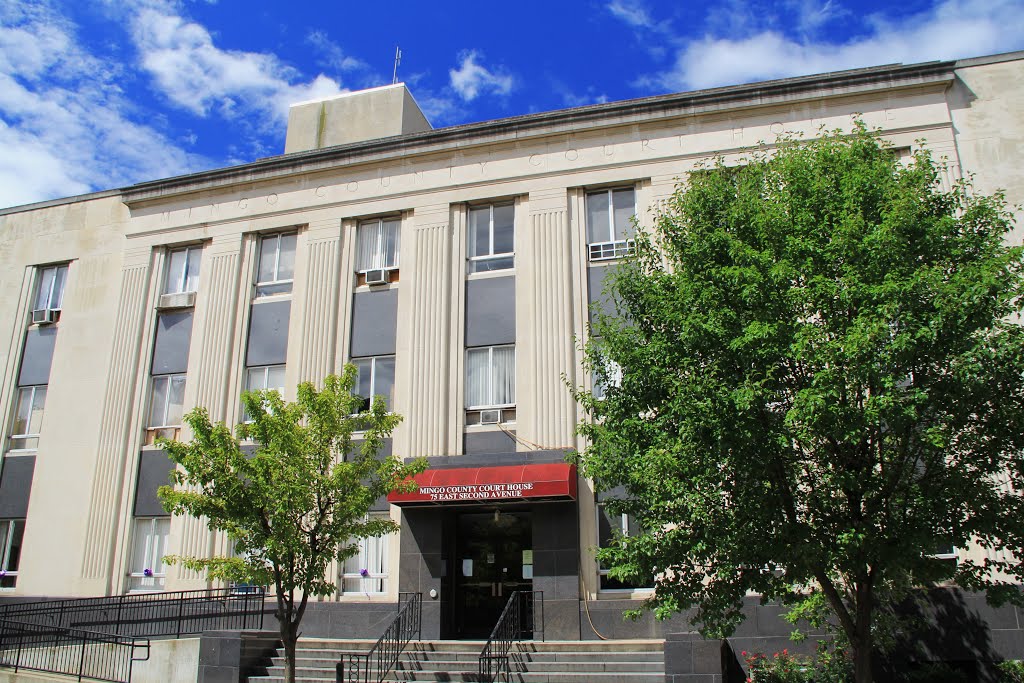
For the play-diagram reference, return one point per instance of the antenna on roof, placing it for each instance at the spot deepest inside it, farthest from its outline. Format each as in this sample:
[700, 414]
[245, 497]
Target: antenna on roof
[398, 60]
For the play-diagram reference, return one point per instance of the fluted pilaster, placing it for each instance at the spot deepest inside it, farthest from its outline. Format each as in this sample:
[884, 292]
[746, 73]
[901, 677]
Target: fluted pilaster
[210, 368]
[115, 443]
[320, 307]
[427, 337]
[547, 415]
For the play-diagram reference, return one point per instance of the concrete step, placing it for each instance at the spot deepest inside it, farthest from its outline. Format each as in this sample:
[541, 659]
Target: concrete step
[624, 661]
[638, 645]
[582, 657]
[530, 677]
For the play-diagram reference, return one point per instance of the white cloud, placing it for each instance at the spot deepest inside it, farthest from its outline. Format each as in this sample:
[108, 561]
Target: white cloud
[65, 126]
[440, 110]
[650, 35]
[472, 79]
[951, 29]
[813, 15]
[631, 12]
[333, 56]
[576, 98]
[192, 72]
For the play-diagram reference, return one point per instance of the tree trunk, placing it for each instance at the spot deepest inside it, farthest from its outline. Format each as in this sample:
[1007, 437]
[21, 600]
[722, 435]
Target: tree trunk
[863, 644]
[862, 664]
[289, 636]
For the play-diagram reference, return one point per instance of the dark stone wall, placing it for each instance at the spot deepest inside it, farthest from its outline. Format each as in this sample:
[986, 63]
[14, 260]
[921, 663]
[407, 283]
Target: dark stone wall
[232, 656]
[943, 625]
[692, 659]
[603, 618]
[556, 567]
[421, 563]
[331, 619]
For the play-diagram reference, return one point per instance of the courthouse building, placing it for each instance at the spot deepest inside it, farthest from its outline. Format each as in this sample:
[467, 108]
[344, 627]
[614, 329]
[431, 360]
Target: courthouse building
[456, 267]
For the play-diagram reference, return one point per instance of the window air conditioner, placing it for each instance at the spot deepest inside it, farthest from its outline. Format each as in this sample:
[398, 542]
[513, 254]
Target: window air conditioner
[177, 300]
[490, 417]
[377, 277]
[45, 316]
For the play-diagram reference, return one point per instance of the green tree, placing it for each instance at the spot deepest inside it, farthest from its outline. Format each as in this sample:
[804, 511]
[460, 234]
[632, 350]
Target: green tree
[821, 385]
[296, 503]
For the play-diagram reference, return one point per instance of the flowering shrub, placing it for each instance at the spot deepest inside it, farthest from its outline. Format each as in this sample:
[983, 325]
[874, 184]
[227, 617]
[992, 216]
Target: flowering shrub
[1011, 671]
[827, 666]
[781, 667]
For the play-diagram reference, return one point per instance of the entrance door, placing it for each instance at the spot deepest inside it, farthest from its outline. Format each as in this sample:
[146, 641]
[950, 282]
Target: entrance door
[493, 557]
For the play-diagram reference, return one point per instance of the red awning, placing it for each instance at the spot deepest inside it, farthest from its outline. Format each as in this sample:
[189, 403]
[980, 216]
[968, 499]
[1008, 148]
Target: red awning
[481, 484]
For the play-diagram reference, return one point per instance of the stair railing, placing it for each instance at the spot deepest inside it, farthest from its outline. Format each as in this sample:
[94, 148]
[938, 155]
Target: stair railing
[170, 614]
[522, 617]
[70, 651]
[374, 665]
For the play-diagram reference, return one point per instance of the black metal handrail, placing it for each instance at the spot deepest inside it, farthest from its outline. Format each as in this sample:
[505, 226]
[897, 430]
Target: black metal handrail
[146, 614]
[357, 667]
[70, 651]
[522, 618]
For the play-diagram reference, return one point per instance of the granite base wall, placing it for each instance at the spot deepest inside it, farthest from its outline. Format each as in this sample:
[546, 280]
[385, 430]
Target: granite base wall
[945, 625]
[232, 656]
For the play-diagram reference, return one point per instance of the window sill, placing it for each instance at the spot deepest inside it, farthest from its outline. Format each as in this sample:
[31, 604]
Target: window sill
[490, 274]
[363, 597]
[15, 452]
[501, 426]
[624, 593]
[172, 432]
[377, 288]
[277, 296]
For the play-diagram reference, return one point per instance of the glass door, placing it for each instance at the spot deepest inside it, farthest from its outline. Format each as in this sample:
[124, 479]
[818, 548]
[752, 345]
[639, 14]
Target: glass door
[493, 558]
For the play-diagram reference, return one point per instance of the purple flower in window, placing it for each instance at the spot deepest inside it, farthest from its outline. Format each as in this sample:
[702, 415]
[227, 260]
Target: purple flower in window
[147, 572]
[3, 573]
[364, 573]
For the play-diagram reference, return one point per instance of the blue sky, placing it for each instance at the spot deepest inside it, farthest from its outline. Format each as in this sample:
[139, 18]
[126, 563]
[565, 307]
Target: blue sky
[99, 94]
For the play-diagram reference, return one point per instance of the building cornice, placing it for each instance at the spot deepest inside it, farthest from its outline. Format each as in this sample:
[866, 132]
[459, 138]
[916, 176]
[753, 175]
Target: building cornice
[854, 82]
[575, 120]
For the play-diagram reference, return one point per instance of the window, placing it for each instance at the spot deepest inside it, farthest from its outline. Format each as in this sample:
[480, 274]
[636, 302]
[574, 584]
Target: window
[149, 545]
[276, 264]
[258, 378]
[945, 551]
[613, 375]
[166, 401]
[50, 288]
[377, 244]
[28, 417]
[609, 525]
[239, 588]
[12, 532]
[609, 223]
[491, 237]
[264, 377]
[376, 378]
[367, 571]
[183, 270]
[490, 377]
